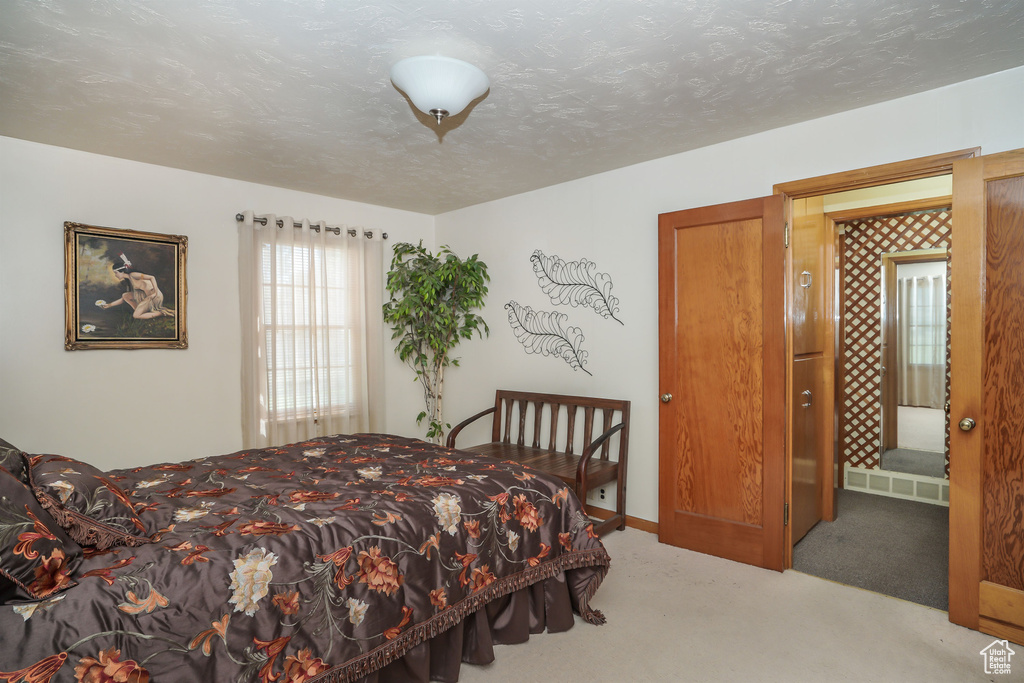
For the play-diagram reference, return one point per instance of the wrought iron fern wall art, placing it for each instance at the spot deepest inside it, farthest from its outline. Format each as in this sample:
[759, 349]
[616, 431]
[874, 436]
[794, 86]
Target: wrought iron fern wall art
[543, 332]
[575, 283]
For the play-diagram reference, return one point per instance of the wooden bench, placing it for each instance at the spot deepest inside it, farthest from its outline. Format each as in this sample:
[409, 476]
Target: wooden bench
[533, 419]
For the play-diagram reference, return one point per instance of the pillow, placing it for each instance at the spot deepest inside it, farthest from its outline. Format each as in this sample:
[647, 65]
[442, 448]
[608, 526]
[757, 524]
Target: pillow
[13, 460]
[85, 502]
[36, 555]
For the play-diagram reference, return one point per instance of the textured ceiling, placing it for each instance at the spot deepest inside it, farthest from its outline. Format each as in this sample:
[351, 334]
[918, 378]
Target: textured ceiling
[296, 93]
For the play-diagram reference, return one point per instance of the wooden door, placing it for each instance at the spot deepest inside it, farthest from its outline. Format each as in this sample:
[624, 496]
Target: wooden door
[986, 499]
[722, 373]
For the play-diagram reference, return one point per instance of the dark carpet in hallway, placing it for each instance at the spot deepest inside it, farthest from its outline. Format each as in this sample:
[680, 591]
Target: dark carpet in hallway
[909, 461]
[887, 545]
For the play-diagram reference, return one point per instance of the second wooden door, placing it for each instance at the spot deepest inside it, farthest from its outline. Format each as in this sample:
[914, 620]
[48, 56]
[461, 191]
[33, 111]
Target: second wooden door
[986, 441]
[722, 374]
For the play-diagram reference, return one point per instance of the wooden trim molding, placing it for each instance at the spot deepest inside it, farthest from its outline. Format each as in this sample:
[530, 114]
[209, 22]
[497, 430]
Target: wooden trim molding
[1001, 603]
[632, 522]
[883, 174]
[1001, 611]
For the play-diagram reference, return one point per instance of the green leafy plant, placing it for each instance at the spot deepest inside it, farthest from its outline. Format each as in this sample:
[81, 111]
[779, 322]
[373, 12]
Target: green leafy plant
[431, 311]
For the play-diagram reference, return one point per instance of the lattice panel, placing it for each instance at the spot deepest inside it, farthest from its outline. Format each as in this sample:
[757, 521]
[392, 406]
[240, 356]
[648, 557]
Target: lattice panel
[863, 245]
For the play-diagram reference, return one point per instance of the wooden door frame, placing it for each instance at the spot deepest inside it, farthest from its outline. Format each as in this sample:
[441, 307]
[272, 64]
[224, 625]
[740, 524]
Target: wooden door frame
[884, 174]
[872, 176]
[839, 356]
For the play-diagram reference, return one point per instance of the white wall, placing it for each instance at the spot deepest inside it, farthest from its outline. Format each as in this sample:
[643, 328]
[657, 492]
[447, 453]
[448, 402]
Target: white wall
[119, 408]
[611, 218]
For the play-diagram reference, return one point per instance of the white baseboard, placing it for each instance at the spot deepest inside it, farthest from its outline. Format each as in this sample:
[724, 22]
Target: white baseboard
[897, 485]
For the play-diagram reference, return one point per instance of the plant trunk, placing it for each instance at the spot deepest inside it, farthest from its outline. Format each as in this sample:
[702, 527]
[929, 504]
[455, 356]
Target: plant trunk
[438, 415]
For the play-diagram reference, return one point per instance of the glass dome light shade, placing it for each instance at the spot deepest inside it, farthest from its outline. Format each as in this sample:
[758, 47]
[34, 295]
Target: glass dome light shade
[440, 86]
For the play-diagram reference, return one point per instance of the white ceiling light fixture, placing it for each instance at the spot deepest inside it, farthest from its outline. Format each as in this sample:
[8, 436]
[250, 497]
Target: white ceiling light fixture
[439, 86]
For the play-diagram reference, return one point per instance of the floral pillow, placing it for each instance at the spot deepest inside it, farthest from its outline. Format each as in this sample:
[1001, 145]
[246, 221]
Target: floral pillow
[12, 460]
[37, 558]
[85, 502]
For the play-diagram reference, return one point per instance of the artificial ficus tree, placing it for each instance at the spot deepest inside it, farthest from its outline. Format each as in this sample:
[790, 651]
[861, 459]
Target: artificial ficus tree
[431, 310]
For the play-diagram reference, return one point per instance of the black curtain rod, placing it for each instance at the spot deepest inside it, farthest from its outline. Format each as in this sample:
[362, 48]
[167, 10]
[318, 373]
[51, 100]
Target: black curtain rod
[337, 231]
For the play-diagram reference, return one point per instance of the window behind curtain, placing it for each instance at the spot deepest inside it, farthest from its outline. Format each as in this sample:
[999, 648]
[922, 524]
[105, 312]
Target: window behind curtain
[308, 330]
[921, 337]
[312, 333]
[925, 309]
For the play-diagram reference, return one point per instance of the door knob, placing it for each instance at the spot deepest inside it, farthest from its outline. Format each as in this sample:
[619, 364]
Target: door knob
[665, 398]
[967, 424]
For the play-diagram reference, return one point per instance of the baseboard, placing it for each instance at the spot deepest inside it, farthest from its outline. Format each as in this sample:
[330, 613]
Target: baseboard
[632, 522]
[992, 627]
[915, 487]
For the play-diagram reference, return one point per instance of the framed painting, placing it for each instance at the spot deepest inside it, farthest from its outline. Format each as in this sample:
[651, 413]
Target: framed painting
[124, 289]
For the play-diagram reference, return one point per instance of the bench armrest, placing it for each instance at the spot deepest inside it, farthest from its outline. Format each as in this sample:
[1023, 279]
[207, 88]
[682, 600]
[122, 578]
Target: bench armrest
[589, 451]
[450, 443]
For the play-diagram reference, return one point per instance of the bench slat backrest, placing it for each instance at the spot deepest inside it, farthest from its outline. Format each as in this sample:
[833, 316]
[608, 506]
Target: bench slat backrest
[511, 421]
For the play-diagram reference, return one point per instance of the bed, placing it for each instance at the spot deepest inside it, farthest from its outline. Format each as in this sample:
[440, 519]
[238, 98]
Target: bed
[353, 557]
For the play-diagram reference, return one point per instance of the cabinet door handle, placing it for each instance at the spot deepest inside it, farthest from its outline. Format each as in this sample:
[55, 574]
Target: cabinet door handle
[806, 393]
[805, 279]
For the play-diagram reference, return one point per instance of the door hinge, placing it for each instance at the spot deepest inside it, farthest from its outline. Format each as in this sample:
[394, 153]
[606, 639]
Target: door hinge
[785, 235]
[785, 514]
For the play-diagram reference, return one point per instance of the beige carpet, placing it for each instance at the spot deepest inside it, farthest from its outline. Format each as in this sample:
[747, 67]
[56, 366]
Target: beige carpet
[675, 615]
[921, 429]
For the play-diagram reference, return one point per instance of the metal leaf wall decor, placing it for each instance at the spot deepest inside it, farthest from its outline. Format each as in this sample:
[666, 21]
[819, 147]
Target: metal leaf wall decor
[543, 332]
[575, 283]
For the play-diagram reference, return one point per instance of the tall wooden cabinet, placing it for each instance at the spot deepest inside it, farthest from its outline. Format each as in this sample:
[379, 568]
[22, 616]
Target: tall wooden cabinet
[811, 396]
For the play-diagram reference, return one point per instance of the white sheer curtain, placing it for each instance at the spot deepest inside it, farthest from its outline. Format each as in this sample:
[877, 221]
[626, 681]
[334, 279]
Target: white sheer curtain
[921, 347]
[312, 337]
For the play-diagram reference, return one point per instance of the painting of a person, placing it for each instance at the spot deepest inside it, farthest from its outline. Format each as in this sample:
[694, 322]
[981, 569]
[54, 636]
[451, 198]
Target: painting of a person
[143, 294]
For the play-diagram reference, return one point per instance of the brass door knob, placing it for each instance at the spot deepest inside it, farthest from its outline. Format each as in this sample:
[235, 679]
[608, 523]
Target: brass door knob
[967, 424]
[665, 398]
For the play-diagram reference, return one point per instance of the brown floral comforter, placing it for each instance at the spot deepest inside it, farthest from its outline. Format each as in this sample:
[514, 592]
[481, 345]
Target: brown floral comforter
[317, 561]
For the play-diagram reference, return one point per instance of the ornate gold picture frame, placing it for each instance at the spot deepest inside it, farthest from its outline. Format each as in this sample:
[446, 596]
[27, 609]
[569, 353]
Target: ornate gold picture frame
[124, 289]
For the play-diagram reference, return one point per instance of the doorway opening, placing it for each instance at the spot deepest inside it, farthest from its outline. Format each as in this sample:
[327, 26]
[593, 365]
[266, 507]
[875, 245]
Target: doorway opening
[890, 532]
[788, 473]
[894, 349]
[915, 307]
